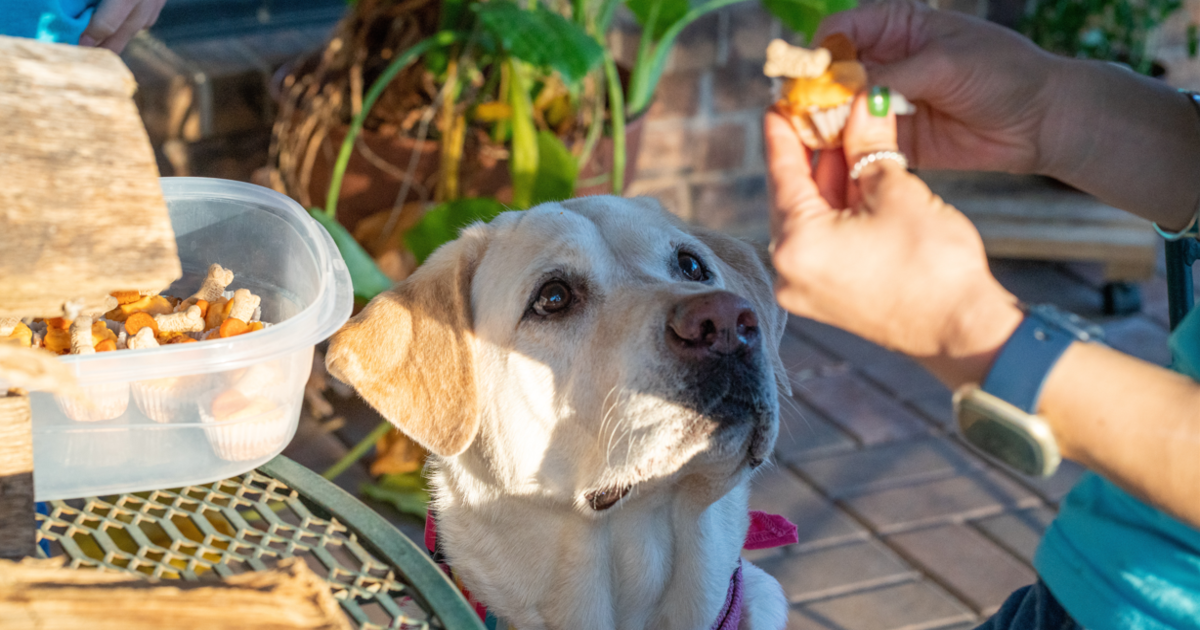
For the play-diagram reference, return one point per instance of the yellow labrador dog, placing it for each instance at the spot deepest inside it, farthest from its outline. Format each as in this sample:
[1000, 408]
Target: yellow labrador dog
[596, 382]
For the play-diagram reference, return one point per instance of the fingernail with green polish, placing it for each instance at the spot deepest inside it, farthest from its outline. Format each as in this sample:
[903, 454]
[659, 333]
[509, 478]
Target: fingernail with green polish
[879, 101]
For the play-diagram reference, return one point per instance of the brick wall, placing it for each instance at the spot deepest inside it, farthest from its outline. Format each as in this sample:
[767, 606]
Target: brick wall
[701, 150]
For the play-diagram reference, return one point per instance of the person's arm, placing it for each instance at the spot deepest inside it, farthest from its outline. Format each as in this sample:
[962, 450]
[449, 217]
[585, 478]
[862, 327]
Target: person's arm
[1135, 423]
[988, 99]
[1130, 140]
[893, 263]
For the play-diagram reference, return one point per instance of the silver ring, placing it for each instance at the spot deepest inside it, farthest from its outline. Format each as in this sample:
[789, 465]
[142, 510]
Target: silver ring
[871, 158]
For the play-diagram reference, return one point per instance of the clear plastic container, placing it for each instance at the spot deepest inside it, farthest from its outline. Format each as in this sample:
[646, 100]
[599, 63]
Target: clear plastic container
[149, 421]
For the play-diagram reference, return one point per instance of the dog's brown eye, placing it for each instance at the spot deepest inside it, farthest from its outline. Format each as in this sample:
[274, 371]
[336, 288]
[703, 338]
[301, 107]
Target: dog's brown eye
[691, 267]
[554, 296]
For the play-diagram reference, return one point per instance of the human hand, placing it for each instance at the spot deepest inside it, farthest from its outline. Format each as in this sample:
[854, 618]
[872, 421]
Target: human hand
[115, 22]
[982, 91]
[882, 257]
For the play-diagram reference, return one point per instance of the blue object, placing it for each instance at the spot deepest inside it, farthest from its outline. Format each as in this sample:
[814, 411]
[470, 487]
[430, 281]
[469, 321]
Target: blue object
[43, 508]
[1025, 360]
[1116, 563]
[59, 21]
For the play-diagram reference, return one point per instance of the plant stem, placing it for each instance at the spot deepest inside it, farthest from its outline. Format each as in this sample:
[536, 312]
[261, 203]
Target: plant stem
[616, 107]
[523, 160]
[647, 72]
[596, 128]
[358, 451]
[401, 62]
[453, 128]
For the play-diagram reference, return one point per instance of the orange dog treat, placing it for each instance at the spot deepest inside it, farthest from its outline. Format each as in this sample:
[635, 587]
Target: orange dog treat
[126, 297]
[818, 87]
[138, 321]
[232, 327]
[13, 330]
[150, 304]
[217, 312]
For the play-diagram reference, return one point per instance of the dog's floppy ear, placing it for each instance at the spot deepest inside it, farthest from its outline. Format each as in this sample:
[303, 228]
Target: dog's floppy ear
[750, 276]
[410, 352]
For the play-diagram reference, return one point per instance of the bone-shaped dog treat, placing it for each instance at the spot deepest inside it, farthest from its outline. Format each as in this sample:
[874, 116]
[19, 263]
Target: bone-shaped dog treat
[214, 284]
[244, 303]
[143, 339]
[81, 335]
[186, 321]
[784, 60]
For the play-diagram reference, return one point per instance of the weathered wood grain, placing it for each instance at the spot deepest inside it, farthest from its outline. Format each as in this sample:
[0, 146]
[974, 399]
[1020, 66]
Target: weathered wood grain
[81, 210]
[41, 595]
[17, 527]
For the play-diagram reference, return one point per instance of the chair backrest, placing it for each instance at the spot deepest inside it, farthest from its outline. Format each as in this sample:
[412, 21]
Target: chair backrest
[1180, 256]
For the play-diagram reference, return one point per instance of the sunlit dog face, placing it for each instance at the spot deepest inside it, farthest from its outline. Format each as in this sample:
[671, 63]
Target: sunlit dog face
[579, 351]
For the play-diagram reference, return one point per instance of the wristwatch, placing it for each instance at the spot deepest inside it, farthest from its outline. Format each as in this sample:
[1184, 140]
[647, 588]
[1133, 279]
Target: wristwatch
[999, 417]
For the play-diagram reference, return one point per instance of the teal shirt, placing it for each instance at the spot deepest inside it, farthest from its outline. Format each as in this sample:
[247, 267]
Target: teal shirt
[1114, 562]
[60, 21]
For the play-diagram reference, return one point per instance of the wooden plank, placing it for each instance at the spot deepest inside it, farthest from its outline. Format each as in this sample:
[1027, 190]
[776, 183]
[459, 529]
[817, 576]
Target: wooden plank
[17, 526]
[81, 210]
[43, 596]
[1036, 218]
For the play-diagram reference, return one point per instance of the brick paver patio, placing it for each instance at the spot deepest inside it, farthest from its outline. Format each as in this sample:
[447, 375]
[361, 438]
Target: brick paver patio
[901, 525]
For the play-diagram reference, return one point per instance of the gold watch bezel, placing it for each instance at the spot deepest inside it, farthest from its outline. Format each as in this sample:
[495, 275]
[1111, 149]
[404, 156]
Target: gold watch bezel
[1005, 433]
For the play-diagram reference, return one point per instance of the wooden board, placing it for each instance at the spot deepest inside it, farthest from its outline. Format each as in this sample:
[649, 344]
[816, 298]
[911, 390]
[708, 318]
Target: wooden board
[17, 525]
[1036, 218]
[81, 210]
[40, 595]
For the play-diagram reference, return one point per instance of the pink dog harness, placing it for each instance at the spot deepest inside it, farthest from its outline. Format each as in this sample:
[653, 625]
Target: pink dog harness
[766, 531]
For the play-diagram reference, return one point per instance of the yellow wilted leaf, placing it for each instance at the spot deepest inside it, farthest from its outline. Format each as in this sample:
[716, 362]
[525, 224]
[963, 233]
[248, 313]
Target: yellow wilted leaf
[396, 454]
[493, 111]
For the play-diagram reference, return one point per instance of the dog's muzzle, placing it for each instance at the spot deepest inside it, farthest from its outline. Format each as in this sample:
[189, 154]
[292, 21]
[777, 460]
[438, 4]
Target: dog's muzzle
[716, 339]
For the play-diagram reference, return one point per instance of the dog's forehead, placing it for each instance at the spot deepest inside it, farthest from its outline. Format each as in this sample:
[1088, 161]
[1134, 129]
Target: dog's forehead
[601, 235]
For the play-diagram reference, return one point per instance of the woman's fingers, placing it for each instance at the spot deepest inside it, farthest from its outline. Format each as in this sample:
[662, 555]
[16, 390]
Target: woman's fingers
[791, 177]
[869, 143]
[830, 175]
[115, 22]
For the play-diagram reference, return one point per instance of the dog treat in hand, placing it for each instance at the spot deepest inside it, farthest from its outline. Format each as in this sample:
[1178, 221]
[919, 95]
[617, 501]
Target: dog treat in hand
[817, 87]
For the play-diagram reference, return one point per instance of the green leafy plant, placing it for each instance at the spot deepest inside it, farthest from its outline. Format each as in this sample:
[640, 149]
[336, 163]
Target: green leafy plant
[1111, 30]
[533, 78]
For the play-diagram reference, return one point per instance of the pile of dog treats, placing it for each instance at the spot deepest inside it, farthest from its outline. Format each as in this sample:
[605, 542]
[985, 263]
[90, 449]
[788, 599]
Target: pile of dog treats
[134, 320]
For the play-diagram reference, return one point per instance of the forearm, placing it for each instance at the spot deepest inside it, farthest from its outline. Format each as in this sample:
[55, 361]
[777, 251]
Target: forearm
[1135, 423]
[1130, 140]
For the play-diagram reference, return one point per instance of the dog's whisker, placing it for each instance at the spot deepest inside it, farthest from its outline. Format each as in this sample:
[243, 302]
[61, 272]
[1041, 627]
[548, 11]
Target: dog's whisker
[609, 414]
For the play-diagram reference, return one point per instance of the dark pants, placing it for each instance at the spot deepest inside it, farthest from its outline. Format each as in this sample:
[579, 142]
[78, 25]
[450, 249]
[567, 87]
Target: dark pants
[1031, 608]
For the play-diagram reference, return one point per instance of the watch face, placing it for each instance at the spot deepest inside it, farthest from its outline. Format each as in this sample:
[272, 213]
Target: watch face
[1007, 434]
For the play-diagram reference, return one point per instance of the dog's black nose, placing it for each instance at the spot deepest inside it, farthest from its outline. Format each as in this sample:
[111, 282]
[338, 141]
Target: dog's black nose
[711, 323]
